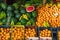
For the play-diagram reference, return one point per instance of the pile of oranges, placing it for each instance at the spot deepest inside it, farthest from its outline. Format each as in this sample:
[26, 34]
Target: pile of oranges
[18, 33]
[58, 35]
[30, 32]
[4, 33]
[45, 33]
[50, 14]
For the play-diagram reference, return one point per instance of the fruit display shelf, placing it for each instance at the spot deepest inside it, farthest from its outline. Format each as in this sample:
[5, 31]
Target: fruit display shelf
[22, 33]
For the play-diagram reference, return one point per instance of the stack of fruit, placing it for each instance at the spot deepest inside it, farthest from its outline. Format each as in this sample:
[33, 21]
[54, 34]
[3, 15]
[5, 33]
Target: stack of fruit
[4, 33]
[58, 35]
[17, 14]
[49, 15]
[30, 32]
[18, 33]
[45, 33]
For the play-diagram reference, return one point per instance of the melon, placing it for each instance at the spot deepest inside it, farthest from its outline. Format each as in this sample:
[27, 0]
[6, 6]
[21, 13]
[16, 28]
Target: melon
[30, 8]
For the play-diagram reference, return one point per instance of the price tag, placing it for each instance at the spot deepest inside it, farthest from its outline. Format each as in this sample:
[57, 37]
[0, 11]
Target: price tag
[33, 38]
[45, 38]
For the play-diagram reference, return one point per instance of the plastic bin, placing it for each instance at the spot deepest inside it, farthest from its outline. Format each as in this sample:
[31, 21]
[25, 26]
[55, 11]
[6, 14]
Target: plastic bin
[5, 33]
[58, 32]
[30, 31]
[17, 33]
[48, 32]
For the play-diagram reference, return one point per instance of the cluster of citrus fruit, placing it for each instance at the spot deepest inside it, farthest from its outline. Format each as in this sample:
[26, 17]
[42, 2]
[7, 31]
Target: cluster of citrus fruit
[18, 33]
[4, 33]
[30, 32]
[58, 35]
[49, 13]
[45, 33]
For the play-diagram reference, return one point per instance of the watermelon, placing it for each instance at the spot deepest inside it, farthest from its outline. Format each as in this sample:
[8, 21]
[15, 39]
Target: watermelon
[30, 8]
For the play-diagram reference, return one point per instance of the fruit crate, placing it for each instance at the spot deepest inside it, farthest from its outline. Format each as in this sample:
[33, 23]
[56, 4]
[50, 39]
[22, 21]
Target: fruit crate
[30, 31]
[17, 33]
[5, 33]
[47, 32]
[58, 33]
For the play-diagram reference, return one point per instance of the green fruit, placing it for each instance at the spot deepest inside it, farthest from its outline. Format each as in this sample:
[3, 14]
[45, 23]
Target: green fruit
[16, 11]
[15, 5]
[28, 23]
[9, 14]
[46, 24]
[9, 8]
[14, 19]
[4, 21]
[17, 16]
[4, 6]
[32, 20]
[23, 21]
[22, 10]
[28, 15]
[34, 14]
[2, 15]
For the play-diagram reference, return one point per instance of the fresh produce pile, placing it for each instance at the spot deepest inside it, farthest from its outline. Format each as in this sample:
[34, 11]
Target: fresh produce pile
[4, 33]
[18, 33]
[58, 35]
[48, 15]
[16, 14]
[45, 33]
[30, 32]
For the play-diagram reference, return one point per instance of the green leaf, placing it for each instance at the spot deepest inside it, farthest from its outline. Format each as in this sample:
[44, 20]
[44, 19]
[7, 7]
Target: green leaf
[12, 23]
[28, 23]
[46, 24]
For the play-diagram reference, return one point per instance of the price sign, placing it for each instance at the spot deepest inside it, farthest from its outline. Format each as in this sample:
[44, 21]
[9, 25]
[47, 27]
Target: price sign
[33, 38]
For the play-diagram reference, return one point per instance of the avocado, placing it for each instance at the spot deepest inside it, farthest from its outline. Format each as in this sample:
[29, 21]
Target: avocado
[15, 5]
[17, 16]
[9, 8]
[14, 19]
[34, 14]
[32, 20]
[9, 13]
[23, 21]
[4, 21]
[29, 15]
[3, 6]
[16, 11]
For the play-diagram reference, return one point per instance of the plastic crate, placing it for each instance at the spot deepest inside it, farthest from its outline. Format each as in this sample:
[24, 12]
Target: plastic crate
[58, 34]
[5, 33]
[17, 33]
[53, 32]
[30, 31]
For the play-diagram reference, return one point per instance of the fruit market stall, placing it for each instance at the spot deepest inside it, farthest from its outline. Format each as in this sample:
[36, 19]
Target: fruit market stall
[29, 20]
